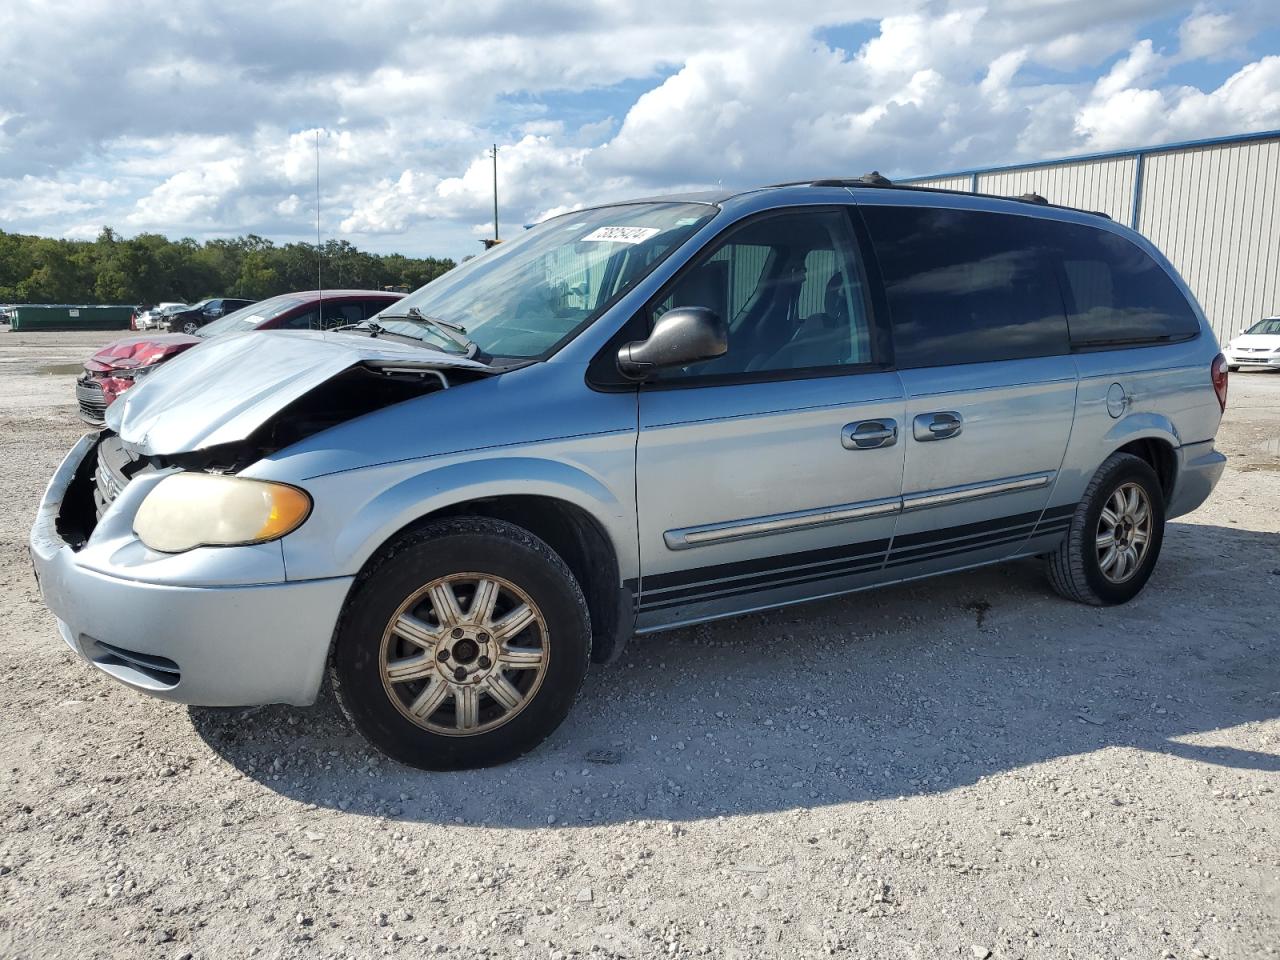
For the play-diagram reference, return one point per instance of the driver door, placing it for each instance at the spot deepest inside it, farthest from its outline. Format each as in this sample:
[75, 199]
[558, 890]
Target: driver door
[771, 474]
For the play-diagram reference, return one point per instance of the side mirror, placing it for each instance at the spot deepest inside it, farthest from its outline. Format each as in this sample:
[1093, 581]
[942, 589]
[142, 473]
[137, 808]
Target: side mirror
[681, 336]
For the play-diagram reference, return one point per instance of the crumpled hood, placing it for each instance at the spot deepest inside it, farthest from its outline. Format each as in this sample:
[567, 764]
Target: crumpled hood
[233, 384]
[131, 352]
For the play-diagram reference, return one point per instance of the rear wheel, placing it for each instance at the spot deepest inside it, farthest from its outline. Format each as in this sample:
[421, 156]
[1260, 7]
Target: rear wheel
[464, 645]
[1115, 536]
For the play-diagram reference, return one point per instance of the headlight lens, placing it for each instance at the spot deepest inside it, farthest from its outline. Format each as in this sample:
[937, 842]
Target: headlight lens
[188, 510]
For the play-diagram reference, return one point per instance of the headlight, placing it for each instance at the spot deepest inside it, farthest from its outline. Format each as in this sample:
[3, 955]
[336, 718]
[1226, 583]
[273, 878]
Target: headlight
[188, 510]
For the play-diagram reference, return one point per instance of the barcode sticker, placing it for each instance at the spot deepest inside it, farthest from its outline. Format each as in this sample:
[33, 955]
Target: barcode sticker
[621, 234]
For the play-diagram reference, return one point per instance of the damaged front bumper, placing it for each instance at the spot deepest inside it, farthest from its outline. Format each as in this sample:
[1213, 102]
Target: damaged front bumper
[181, 627]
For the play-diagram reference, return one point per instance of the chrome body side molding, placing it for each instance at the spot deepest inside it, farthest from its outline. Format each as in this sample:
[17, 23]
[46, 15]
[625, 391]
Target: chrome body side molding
[975, 491]
[689, 537]
[778, 523]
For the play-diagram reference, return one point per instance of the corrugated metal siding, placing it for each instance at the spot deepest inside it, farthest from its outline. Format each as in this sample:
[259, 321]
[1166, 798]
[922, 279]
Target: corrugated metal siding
[1102, 185]
[1215, 212]
[944, 183]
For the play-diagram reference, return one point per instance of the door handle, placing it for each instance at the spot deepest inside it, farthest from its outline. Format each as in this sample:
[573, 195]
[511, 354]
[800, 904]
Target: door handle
[937, 426]
[869, 434]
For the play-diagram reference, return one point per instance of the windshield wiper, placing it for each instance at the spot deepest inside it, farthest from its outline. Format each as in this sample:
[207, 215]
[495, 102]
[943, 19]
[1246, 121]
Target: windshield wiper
[453, 332]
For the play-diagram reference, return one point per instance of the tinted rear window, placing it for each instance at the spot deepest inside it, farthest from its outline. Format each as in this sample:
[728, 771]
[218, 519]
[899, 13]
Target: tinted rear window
[966, 287]
[1115, 293]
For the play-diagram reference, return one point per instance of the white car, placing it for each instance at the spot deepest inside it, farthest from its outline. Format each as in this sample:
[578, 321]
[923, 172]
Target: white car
[156, 318]
[1259, 346]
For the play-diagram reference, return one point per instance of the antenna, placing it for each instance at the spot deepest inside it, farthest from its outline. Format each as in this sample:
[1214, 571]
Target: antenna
[319, 254]
[495, 192]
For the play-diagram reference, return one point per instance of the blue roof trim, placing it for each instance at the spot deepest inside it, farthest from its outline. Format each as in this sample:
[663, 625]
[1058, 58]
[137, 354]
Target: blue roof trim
[1108, 155]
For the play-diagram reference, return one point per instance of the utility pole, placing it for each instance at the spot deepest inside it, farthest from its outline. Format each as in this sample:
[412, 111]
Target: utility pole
[495, 192]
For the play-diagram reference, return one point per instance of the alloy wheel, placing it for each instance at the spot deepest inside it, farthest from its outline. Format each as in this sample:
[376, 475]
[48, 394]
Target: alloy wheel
[464, 654]
[1124, 532]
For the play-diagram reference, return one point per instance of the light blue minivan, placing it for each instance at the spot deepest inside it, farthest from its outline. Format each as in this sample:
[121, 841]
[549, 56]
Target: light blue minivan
[627, 419]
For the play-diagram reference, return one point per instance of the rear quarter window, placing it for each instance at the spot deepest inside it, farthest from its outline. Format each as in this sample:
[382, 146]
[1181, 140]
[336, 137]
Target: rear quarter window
[1115, 293]
[966, 286]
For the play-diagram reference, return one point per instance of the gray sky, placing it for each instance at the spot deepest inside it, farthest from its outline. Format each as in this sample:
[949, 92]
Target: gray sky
[199, 118]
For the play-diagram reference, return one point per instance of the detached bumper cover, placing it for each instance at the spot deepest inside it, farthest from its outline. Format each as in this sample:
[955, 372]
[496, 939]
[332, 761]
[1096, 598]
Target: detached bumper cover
[223, 645]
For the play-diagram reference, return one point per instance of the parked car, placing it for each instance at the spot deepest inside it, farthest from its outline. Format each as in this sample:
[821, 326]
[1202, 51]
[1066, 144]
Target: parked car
[122, 363]
[1259, 346]
[155, 318]
[628, 419]
[206, 311]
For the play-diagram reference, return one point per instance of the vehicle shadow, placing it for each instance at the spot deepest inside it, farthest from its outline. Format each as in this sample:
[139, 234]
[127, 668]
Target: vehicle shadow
[913, 689]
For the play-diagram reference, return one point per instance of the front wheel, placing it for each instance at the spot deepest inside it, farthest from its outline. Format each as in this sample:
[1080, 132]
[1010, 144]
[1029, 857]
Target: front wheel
[1115, 536]
[1233, 369]
[464, 645]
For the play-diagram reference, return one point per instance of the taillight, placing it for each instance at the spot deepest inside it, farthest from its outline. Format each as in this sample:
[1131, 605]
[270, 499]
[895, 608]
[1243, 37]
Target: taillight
[1218, 373]
[133, 320]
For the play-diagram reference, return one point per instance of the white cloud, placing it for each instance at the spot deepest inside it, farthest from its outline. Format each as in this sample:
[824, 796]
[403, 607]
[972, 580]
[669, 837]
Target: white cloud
[51, 198]
[1248, 100]
[390, 206]
[190, 196]
[208, 126]
[1121, 112]
[1211, 35]
[1142, 64]
[1000, 75]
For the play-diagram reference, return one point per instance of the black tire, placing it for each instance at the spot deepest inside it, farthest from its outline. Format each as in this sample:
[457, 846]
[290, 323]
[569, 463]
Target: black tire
[1075, 569]
[446, 548]
[1233, 369]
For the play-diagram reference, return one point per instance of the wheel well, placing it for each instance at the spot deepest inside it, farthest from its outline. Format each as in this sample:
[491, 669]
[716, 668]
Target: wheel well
[1159, 456]
[583, 545]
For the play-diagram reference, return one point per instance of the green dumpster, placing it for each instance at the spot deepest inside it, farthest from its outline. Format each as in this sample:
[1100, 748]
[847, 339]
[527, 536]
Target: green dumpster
[32, 318]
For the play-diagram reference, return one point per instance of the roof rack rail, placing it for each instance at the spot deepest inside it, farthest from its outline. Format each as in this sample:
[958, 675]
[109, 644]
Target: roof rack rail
[876, 179]
[872, 179]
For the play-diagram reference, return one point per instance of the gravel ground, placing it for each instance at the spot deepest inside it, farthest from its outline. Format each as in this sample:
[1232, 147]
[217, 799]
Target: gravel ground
[963, 767]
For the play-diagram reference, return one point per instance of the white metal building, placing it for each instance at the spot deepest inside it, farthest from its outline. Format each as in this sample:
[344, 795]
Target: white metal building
[1212, 206]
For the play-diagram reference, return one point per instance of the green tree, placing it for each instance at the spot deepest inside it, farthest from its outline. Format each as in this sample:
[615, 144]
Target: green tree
[150, 268]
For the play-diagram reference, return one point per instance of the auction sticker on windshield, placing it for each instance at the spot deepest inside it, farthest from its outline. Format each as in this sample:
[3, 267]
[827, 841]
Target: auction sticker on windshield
[621, 234]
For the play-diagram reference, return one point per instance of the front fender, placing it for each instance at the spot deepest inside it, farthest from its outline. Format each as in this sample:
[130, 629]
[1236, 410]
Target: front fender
[349, 523]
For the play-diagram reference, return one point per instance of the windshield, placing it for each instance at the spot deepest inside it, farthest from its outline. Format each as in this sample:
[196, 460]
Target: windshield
[523, 297]
[1270, 325]
[250, 317]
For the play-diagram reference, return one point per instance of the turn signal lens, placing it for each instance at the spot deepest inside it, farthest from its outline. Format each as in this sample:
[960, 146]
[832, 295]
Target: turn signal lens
[188, 510]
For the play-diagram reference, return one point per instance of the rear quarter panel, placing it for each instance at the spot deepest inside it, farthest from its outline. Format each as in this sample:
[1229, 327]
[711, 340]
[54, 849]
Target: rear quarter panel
[1171, 398]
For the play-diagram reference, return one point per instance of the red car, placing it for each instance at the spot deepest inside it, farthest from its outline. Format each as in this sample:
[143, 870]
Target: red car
[120, 364]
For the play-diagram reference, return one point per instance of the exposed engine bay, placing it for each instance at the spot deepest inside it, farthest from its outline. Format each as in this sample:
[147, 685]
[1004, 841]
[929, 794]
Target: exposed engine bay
[351, 394]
